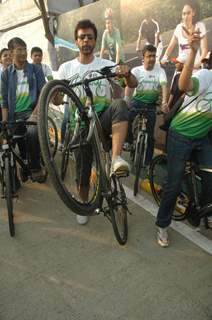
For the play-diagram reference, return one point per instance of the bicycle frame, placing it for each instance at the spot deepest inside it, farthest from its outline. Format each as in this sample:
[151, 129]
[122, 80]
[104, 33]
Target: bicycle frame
[142, 132]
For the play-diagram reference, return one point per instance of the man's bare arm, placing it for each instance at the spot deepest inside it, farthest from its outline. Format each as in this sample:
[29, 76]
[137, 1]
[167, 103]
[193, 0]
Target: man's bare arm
[185, 83]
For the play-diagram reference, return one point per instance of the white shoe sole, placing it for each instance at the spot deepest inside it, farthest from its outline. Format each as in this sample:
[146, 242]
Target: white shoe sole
[81, 219]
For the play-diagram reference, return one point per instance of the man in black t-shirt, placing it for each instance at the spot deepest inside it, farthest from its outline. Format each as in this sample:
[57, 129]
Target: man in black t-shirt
[175, 92]
[149, 30]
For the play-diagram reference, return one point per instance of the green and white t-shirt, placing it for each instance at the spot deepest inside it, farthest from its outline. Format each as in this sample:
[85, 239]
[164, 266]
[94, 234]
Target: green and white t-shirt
[195, 120]
[74, 71]
[149, 83]
[110, 41]
[23, 99]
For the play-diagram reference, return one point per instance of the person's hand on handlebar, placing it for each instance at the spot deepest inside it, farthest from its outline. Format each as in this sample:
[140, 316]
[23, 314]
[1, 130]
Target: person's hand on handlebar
[164, 60]
[122, 70]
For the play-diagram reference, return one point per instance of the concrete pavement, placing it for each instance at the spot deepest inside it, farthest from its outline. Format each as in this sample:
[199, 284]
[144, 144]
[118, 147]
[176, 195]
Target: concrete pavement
[56, 269]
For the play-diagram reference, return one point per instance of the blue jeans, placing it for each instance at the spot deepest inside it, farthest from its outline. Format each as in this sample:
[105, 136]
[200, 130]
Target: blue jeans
[135, 107]
[64, 123]
[179, 149]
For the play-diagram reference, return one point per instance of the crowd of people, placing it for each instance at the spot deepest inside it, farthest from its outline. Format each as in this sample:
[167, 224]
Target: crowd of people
[21, 84]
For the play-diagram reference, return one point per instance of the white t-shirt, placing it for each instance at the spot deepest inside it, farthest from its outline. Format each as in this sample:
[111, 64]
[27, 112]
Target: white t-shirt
[195, 120]
[47, 71]
[183, 41]
[75, 71]
[149, 83]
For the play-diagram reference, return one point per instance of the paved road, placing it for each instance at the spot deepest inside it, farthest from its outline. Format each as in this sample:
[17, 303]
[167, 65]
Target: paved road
[56, 269]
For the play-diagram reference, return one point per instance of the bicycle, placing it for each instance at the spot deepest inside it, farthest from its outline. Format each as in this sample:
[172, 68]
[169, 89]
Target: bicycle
[8, 159]
[140, 143]
[139, 146]
[106, 193]
[188, 202]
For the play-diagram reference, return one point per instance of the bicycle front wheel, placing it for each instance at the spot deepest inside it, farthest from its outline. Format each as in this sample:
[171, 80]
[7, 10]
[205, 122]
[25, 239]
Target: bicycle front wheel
[158, 178]
[140, 155]
[118, 210]
[75, 173]
[8, 186]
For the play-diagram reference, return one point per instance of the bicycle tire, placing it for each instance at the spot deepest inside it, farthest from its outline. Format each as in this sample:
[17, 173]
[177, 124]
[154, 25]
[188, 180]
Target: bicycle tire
[55, 136]
[8, 171]
[68, 198]
[138, 163]
[118, 211]
[159, 164]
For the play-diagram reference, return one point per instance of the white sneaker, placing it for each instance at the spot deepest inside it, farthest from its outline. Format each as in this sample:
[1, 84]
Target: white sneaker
[82, 219]
[119, 165]
[162, 237]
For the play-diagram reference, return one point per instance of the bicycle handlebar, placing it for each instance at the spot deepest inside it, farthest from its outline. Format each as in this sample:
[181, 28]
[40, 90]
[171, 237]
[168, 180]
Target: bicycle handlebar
[105, 73]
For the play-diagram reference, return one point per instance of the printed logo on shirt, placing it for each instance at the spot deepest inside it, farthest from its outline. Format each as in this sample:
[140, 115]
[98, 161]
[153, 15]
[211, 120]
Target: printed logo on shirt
[205, 104]
[98, 87]
[184, 46]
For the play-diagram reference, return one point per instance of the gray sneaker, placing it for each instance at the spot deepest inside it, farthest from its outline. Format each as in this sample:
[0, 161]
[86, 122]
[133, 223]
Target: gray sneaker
[119, 165]
[162, 237]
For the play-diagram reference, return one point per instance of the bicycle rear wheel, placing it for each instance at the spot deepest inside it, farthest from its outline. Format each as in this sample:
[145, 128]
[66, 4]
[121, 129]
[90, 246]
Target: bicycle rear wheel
[158, 176]
[140, 155]
[67, 171]
[9, 179]
[118, 210]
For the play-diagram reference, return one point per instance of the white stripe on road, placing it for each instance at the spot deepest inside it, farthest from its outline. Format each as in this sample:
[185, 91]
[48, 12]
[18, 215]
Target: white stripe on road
[189, 233]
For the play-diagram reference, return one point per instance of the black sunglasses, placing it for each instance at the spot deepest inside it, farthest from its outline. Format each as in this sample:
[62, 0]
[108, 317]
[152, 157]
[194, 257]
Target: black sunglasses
[84, 35]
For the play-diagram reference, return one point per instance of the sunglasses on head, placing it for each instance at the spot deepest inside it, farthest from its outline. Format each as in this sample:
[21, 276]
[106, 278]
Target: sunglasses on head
[84, 35]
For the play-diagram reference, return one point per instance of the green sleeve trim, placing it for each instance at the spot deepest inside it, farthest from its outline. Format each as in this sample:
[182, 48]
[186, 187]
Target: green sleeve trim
[195, 87]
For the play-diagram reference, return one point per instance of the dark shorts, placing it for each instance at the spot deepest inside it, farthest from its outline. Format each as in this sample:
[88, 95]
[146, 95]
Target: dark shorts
[116, 112]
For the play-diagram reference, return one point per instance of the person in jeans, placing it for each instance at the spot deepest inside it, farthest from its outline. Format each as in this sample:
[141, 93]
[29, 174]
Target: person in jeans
[113, 115]
[151, 79]
[188, 133]
[21, 84]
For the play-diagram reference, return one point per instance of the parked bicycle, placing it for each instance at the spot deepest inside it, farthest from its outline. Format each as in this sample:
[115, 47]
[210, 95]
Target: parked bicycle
[10, 158]
[138, 149]
[188, 203]
[106, 193]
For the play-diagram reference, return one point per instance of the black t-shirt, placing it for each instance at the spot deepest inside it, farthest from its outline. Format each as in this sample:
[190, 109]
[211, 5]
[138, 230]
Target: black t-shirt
[175, 91]
[148, 30]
